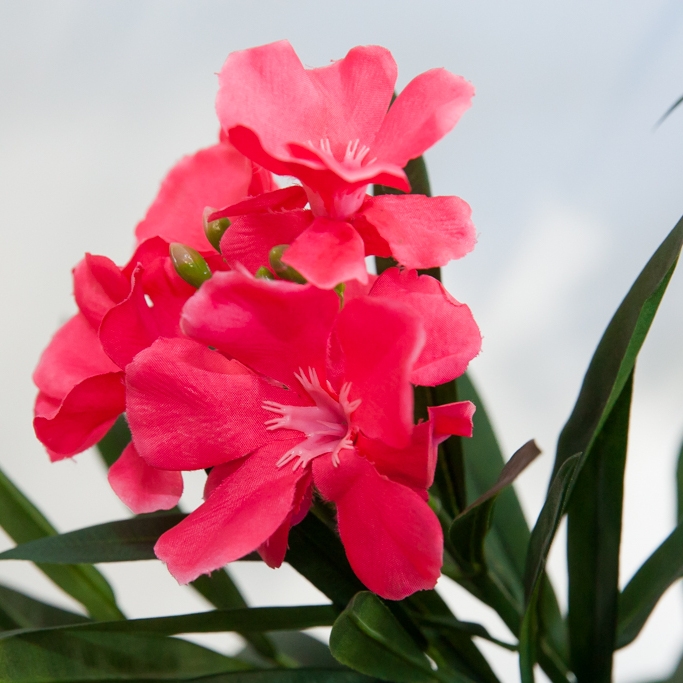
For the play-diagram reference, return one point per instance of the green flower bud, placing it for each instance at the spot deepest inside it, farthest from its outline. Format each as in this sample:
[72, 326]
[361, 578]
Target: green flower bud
[340, 291]
[282, 270]
[264, 274]
[189, 264]
[214, 230]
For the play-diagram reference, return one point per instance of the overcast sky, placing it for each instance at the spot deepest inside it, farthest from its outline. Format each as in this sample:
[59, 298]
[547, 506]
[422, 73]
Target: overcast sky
[571, 186]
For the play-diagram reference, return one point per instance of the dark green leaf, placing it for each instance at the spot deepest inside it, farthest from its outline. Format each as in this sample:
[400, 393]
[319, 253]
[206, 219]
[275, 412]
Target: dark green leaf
[647, 586]
[220, 590]
[256, 619]
[312, 675]
[670, 110]
[21, 611]
[528, 639]
[593, 542]
[24, 523]
[114, 441]
[304, 649]
[679, 485]
[367, 638]
[121, 541]
[453, 624]
[616, 354]
[469, 530]
[65, 656]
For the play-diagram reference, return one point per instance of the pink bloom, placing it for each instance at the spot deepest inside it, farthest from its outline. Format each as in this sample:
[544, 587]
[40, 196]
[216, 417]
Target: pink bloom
[123, 310]
[297, 394]
[333, 129]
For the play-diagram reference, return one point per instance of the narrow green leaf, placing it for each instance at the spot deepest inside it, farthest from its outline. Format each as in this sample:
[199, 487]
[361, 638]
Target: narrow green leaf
[593, 542]
[469, 530]
[528, 639]
[24, 523]
[121, 541]
[473, 629]
[306, 675]
[669, 111]
[255, 619]
[114, 441]
[679, 485]
[367, 638]
[220, 590]
[302, 649]
[616, 353]
[643, 591]
[18, 610]
[61, 655]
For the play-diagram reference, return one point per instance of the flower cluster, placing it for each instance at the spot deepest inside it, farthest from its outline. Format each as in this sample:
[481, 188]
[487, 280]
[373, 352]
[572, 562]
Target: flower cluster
[288, 374]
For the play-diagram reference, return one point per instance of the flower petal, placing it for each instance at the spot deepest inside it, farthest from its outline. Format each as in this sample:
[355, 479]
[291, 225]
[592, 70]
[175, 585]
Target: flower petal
[373, 346]
[451, 419]
[273, 327]
[328, 252]
[286, 199]
[85, 415]
[250, 238]
[141, 487]
[215, 176]
[422, 232]
[392, 538]
[427, 108]
[244, 511]
[453, 338]
[189, 407]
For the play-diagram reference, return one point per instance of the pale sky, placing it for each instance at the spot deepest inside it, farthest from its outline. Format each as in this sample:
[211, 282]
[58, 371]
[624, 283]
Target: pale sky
[571, 186]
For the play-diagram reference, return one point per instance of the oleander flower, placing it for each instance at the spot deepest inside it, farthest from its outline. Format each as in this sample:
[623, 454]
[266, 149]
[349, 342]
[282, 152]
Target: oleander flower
[279, 391]
[333, 128]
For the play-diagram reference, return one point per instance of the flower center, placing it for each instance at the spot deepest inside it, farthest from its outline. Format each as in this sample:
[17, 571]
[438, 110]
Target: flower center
[327, 424]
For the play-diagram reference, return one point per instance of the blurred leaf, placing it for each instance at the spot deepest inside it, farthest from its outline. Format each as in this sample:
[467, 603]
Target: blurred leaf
[301, 648]
[220, 590]
[528, 639]
[453, 624]
[69, 656]
[368, 638]
[669, 111]
[468, 531]
[647, 586]
[114, 441]
[679, 485]
[24, 523]
[308, 675]
[21, 611]
[121, 541]
[255, 619]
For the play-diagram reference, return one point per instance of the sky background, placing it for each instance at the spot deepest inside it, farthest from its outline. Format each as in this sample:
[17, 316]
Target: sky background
[572, 188]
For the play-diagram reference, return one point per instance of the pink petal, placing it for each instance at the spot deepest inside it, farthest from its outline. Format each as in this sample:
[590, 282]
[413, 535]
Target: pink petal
[354, 289]
[375, 244]
[85, 415]
[141, 487]
[451, 419]
[392, 539]
[412, 466]
[189, 407]
[453, 338]
[73, 355]
[286, 199]
[274, 548]
[273, 327]
[99, 285]
[427, 108]
[244, 511]
[219, 473]
[146, 253]
[216, 176]
[328, 252]
[373, 346]
[422, 232]
[251, 237]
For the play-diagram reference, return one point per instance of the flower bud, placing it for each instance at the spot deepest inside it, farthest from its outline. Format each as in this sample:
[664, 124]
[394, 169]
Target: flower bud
[282, 270]
[264, 274]
[339, 289]
[189, 264]
[214, 230]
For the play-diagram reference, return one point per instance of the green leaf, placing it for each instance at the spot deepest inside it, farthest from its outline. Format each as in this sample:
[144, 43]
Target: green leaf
[121, 541]
[670, 110]
[220, 590]
[18, 610]
[303, 649]
[255, 619]
[679, 485]
[114, 441]
[615, 357]
[307, 675]
[24, 523]
[647, 586]
[473, 629]
[593, 541]
[62, 655]
[528, 639]
[368, 638]
[468, 531]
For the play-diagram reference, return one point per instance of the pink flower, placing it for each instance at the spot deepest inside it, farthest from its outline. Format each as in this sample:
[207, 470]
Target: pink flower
[333, 129]
[295, 394]
[122, 311]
